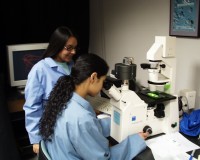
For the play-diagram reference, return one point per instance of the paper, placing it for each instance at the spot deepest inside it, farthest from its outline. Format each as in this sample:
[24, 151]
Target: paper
[171, 146]
[179, 156]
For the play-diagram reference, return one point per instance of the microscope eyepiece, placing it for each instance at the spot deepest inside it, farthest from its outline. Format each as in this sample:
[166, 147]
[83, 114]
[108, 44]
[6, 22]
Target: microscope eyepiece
[107, 85]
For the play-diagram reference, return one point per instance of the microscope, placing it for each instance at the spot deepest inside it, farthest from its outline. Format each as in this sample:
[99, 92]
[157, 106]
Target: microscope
[162, 64]
[132, 113]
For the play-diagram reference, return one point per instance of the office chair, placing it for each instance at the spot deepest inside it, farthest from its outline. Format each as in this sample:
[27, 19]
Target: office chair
[43, 154]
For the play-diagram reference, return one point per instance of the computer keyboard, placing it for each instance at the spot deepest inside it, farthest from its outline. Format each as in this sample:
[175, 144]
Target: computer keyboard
[101, 104]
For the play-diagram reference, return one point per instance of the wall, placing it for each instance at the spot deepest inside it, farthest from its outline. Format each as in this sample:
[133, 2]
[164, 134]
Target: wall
[129, 28]
[33, 21]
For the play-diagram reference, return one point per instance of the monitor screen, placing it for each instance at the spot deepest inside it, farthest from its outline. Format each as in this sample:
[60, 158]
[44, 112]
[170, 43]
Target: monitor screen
[21, 58]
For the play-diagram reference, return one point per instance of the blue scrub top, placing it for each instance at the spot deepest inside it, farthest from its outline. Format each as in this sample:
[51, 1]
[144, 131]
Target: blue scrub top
[41, 80]
[79, 135]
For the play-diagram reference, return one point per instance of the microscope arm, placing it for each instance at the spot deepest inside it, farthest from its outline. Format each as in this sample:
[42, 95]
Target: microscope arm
[154, 54]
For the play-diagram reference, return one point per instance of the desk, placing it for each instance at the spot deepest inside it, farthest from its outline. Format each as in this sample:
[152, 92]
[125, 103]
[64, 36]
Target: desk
[147, 154]
[196, 141]
[15, 102]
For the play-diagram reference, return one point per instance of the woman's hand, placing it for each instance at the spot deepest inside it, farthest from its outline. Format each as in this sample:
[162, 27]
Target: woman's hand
[36, 148]
[144, 135]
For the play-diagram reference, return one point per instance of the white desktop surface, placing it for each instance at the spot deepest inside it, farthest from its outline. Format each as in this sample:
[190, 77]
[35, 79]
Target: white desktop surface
[171, 146]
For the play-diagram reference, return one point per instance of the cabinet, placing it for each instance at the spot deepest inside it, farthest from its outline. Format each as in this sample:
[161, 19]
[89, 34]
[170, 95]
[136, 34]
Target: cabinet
[15, 102]
[8, 149]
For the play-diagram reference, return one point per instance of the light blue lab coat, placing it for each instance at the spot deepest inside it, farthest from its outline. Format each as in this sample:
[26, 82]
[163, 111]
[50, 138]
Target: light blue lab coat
[78, 135]
[41, 80]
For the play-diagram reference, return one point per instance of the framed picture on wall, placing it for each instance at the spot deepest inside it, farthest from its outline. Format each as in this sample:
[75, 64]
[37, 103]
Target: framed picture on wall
[184, 18]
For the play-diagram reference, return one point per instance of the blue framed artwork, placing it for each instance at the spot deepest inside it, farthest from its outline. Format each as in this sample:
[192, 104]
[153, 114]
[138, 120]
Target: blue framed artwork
[184, 18]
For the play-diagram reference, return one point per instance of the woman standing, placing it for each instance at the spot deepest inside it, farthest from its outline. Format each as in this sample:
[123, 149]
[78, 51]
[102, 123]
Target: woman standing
[57, 61]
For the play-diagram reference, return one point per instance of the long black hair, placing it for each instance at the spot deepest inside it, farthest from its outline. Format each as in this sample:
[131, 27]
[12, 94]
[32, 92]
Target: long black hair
[84, 66]
[58, 40]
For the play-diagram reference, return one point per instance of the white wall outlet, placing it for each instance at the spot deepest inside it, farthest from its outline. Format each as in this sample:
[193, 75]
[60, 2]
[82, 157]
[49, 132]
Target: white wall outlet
[190, 95]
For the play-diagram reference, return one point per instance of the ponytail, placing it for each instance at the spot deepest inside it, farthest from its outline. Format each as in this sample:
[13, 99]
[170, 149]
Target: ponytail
[60, 95]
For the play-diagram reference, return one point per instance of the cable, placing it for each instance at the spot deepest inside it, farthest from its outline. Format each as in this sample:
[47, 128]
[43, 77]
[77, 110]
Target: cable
[183, 105]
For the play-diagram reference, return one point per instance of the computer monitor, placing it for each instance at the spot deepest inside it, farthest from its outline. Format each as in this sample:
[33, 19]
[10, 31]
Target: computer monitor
[21, 58]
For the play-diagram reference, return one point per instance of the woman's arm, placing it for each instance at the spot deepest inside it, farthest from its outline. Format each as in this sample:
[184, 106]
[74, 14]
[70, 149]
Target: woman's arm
[33, 106]
[93, 145]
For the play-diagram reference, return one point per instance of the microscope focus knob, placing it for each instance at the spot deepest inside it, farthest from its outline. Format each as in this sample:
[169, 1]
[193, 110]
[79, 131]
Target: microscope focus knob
[147, 129]
[174, 125]
[162, 65]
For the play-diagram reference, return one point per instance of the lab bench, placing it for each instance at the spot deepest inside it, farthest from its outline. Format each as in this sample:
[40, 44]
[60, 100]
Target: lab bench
[147, 154]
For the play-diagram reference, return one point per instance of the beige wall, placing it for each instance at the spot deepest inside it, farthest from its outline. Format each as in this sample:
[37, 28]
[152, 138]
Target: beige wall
[122, 28]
